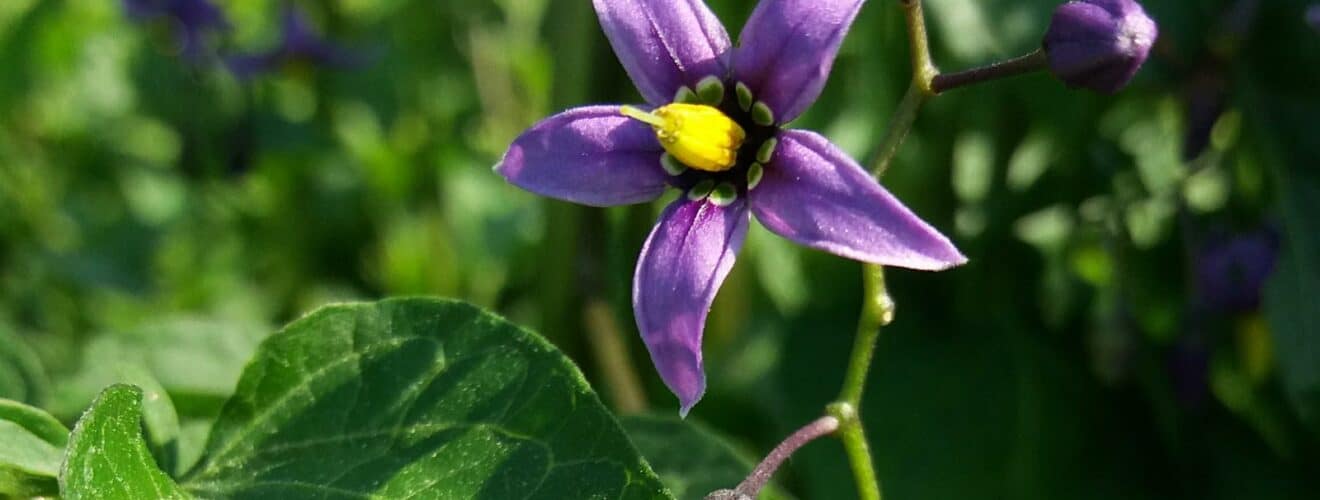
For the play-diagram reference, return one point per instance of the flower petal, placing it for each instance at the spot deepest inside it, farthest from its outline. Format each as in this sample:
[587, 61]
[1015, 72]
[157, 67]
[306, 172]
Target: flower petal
[665, 44]
[683, 263]
[814, 194]
[786, 51]
[591, 155]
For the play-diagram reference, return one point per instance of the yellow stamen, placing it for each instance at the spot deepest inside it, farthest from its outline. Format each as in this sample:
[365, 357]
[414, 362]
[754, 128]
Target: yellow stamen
[699, 136]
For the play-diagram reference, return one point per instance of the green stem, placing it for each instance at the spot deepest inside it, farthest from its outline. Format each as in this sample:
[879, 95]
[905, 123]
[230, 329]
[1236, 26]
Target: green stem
[899, 125]
[923, 74]
[858, 450]
[923, 69]
[877, 306]
[877, 310]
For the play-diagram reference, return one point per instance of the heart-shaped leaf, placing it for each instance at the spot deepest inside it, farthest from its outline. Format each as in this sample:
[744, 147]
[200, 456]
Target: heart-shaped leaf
[107, 458]
[416, 398]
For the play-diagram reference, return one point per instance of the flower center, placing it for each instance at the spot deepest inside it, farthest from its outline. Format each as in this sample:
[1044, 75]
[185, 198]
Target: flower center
[697, 135]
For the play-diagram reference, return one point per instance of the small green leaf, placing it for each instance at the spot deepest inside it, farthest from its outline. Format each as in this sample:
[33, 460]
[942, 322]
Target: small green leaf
[107, 458]
[692, 460]
[35, 420]
[160, 423]
[31, 447]
[416, 398]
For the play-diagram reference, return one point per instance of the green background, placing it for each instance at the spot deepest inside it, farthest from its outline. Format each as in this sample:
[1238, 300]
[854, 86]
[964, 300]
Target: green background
[161, 213]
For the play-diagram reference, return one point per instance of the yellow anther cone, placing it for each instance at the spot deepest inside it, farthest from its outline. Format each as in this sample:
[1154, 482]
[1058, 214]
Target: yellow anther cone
[699, 136]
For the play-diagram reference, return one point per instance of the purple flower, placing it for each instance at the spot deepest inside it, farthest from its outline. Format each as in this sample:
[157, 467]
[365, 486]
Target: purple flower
[712, 128]
[1099, 44]
[298, 43]
[1231, 270]
[1313, 16]
[192, 19]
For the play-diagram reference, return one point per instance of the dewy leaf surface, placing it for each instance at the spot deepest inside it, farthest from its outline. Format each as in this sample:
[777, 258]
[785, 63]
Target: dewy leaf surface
[416, 398]
[107, 458]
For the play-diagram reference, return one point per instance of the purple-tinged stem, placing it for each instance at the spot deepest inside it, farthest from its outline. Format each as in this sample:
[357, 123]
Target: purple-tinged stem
[751, 486]
[1029, 63]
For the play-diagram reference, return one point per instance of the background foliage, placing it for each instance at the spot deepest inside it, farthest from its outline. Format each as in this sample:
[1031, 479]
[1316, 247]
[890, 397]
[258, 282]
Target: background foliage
[159, 217]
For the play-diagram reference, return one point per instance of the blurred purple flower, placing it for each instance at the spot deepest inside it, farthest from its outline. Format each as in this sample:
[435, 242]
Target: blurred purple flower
[1099, 44]
[1231, 270]
[715, 132]
[298, 43]
[1313, 16]
[192, 20]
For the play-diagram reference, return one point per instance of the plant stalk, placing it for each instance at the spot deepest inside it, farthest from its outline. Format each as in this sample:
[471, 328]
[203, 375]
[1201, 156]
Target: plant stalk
[897, 131]
[751, 487]
[877, 306]
[1022, 65]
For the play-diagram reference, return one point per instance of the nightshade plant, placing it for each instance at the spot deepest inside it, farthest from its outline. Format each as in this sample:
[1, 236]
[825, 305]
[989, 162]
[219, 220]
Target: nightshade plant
[436, 398]
[716, 134]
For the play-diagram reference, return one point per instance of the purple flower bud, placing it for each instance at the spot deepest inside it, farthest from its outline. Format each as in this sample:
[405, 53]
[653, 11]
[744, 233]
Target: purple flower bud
[1099, 44]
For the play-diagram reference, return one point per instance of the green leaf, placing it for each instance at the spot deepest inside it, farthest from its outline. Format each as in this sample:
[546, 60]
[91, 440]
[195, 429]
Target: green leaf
[160, 419]
[21, 375]
[34, 420]
[160, 423]
[31, 447]
[1282, 123]
[416, 397]
[691, 460]
[107, 458]
[1290, 295]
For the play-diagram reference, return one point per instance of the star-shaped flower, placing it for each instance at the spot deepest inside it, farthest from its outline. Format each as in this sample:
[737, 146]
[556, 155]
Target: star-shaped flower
[713, 128]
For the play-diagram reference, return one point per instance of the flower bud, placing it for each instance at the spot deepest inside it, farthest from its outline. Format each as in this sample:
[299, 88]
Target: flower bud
[1099, 44]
